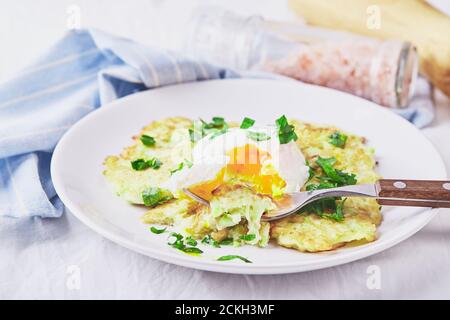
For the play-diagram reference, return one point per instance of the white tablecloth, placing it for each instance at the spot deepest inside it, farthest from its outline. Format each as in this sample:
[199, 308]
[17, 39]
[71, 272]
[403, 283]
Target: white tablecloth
[62, 258]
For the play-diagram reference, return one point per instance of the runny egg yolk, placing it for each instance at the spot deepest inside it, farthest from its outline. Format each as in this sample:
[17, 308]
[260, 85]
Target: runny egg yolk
[246, 164]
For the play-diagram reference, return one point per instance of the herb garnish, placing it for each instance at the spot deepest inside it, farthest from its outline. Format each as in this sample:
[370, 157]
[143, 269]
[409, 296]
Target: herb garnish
[191, 241]
[181, 166]
[195, 134]
[286, 132]
[188, 163]
[310, 171]
[201, 128]
[232, 257]
[155, 196]
[247, 123]
[216, 123]
[192, 250]
[258, 136]
[328, 207]
[154, 163]
[157, 231]
[334, 175]
[141, 164]
[218, 133]
[226, 242]
[247, 237]
[210, 240]
[148, 140]
[338, 215]
[178, 243]
[321, 207]
[338, 139]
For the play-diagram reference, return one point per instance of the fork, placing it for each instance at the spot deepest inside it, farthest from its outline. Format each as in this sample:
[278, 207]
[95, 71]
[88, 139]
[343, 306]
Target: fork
[390, 192]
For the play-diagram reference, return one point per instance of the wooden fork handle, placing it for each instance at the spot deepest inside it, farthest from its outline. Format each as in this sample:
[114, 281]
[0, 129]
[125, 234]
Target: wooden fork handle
[416, 193]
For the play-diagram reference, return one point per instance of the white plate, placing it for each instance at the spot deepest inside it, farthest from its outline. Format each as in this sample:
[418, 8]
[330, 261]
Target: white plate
[402, 151]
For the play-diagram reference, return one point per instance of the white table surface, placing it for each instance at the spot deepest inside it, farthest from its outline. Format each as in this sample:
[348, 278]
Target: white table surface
[61, 258]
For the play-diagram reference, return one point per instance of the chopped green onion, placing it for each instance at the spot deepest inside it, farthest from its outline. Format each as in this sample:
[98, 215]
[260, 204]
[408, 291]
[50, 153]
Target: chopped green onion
[154, 163]
[226, 242]
[192, 250]
[179, 168]
[218, 133]
[191, 241]
[217, 122]
[286, 132]
[195, 135]
[157, 231]
[209, 240]
[327, 207]
[337, 216]
[141, 164]
[178, 243]
[310, 171]
[247, 123]
[202, 128]
[155, 196]
[258, 136]
[232, 257]
[340, 208]
[334, 175]
[338, 139]
[188, 163]
[247, 237]
[148, 140]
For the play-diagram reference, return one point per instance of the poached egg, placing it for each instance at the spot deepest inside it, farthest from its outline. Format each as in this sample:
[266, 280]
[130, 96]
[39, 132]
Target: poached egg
[253, 157]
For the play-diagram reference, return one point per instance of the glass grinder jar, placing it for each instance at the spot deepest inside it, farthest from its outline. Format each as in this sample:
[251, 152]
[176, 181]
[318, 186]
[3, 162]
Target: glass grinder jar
[381, 71]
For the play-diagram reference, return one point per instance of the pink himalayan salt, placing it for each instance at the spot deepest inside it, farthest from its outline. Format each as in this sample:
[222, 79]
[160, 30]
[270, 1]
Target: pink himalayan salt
[365, 68]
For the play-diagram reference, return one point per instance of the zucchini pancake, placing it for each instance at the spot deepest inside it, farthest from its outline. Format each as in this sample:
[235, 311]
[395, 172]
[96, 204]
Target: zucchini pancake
[244, 170]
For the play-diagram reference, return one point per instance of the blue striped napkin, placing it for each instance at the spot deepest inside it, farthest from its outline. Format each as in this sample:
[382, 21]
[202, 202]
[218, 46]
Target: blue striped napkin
[83, 71]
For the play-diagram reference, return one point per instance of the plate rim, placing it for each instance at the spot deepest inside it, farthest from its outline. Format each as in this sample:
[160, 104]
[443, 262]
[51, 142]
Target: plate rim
[215, 266]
